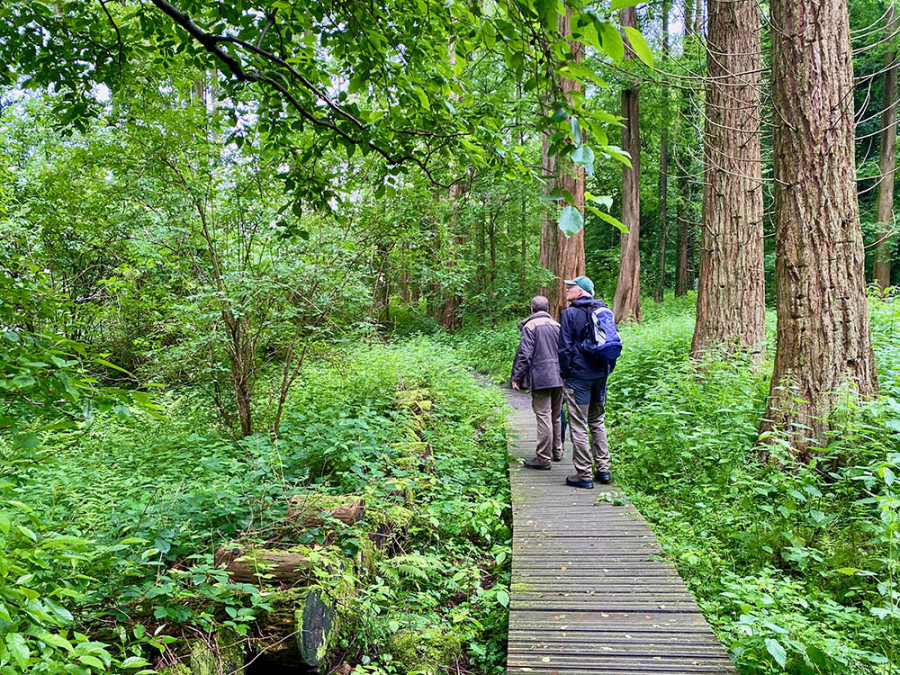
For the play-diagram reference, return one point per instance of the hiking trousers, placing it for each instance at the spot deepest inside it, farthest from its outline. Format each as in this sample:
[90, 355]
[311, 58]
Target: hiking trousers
[547, 406]
[586, 403]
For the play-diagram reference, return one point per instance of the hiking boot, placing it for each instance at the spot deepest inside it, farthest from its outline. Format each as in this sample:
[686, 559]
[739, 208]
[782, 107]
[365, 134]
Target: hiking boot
[602, 477]
[559, 457]
[575, 481]
[536, 464]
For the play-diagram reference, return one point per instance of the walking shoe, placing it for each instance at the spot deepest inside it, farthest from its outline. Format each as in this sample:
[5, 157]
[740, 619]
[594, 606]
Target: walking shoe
[536, 464]
[558, 458]
[575, 481]
[602, 477]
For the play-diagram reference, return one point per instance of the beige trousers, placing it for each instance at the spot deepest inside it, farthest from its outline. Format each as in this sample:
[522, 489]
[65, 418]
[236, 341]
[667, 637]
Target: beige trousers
[584, 418]
[547, 406]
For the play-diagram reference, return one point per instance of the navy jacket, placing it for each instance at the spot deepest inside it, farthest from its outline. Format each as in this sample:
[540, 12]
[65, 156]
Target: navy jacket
[574, 329]
[535, 365]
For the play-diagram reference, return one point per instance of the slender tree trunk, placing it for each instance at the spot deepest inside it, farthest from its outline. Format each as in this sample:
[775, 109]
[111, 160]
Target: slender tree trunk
[663, 169]
[731, 291]
[684, 160]
[627, 300]
[823, 345]
[563, 256]
[886, 161]
[492, 285]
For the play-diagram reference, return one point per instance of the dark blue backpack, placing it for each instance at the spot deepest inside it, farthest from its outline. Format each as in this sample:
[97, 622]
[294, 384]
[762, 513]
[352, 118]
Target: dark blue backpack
[602, 342]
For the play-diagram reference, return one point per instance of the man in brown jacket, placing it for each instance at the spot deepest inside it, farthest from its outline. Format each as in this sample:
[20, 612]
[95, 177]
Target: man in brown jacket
[536, 367]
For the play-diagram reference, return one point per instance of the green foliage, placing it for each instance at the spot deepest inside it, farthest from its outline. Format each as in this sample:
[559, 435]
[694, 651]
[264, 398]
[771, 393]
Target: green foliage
[794, 566]
[136, 570]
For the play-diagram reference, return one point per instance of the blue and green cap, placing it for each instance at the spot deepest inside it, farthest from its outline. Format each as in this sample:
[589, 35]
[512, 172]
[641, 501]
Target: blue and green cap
[583, 283]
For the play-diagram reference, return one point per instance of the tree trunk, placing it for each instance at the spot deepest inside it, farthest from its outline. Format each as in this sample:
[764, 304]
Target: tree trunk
[563, 256]
[627, 300]
[684, 266]
[823, 343]
[663, 169]
[731, 292]
[886, 160]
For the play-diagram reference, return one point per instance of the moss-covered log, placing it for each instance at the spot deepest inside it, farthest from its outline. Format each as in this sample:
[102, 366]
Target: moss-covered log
[312, 510]
[263, 566]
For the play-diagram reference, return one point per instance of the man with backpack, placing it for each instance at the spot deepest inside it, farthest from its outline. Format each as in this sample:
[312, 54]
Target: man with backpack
[588, 347]
[536, 367]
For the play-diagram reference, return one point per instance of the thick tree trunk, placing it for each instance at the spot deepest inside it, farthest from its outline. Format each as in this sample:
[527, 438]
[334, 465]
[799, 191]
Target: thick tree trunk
[663, 170]
[627, 300]
[823, 345]
[561, 255]
[731, 291]
[886, 160]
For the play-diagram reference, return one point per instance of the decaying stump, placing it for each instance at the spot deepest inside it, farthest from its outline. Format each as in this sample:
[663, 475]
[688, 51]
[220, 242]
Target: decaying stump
[302, 624]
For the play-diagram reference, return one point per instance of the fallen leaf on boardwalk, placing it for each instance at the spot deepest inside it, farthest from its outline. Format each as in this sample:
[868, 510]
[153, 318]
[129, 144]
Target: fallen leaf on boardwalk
[563, 568]
[602, 614]
[546, 659]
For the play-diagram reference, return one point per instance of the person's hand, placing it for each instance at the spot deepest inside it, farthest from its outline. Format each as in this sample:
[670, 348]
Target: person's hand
[515, 386]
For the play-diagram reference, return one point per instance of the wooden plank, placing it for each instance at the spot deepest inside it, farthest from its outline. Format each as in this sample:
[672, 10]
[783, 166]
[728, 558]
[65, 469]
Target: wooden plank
[591, 592]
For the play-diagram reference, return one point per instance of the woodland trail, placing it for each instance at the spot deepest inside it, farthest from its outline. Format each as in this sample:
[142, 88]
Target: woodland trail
[590, 590]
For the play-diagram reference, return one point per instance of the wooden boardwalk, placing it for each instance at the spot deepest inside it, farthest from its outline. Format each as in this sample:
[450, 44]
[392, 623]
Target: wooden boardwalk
[590, 591]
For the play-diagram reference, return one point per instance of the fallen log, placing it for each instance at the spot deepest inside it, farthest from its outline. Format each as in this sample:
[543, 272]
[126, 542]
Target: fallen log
[312, 510]
[263, 566]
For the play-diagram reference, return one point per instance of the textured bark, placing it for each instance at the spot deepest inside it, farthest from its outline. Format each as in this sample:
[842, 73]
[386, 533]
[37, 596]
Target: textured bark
[562, 256]
[823, 344]
[627, 300]
[886, 160]
[731, 289]
[311, 510]
[263, 566]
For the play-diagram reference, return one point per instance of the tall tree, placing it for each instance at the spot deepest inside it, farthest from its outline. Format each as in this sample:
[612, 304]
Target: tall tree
[684, 264]
[663, 168]
[562, 255]
[627, 300]
[886, 161]
[823, 341]
[731, 290]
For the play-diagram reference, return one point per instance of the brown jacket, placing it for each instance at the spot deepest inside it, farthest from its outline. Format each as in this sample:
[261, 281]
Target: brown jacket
[536, 365]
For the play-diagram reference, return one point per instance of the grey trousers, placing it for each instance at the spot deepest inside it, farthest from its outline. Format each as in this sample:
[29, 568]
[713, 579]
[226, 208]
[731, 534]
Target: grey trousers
[585, 451]
[547, 406]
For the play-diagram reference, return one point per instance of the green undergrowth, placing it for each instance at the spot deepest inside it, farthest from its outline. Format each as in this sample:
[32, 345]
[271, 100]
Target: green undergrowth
[795, 568]
[107, 559]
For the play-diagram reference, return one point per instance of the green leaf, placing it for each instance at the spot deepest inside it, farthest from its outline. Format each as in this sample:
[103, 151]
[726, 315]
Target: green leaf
[615, 222]
[777, 651]
[622, 4]
[89, 660]
[576, 131]
[4, 523]
[847, 570]
[28, 533]
[583, 156]
[570, 221]
[547, 11]
[503, 598]
[613, 44]
[604, 200]
[639, 45]
[18, 648]
[56, 641]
